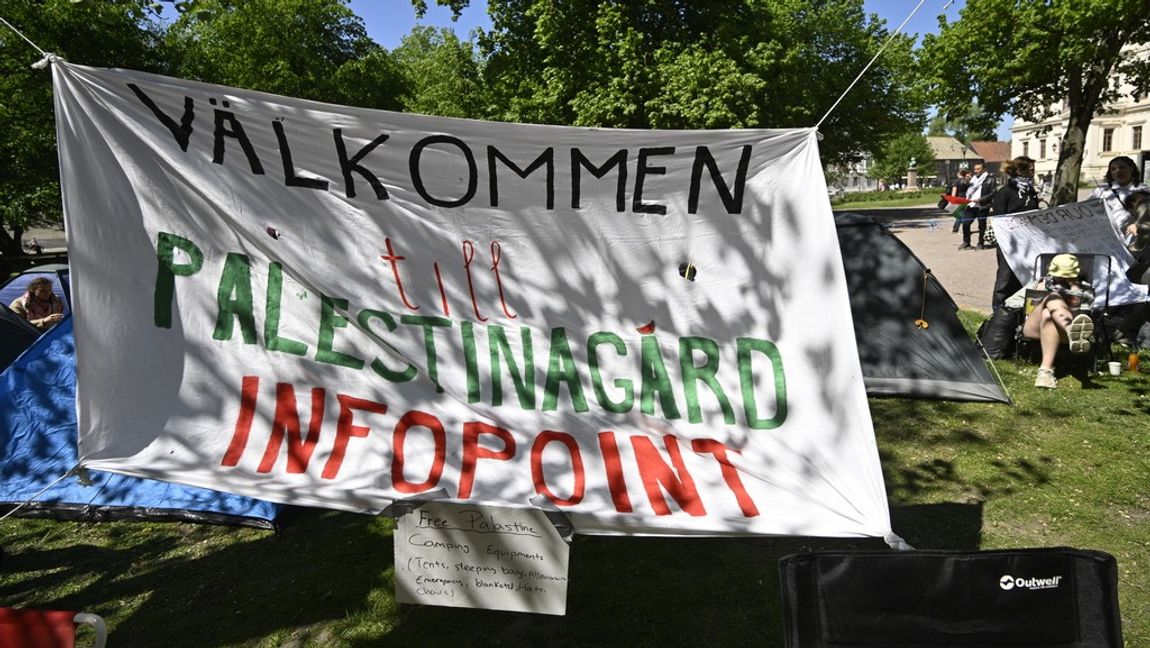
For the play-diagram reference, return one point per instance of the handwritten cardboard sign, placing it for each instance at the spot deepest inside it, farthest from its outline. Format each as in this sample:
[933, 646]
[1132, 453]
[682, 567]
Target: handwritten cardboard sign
[1081, 227]
[468, 555]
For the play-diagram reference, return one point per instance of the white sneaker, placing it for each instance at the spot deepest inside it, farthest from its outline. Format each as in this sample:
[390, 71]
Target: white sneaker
[1079, 332]
[1045, 379]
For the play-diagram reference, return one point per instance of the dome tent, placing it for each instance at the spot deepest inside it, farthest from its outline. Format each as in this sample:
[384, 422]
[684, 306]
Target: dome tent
[38, 445]
[890, 290]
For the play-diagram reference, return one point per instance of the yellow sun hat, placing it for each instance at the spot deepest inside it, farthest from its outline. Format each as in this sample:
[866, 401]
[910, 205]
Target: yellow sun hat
[1064, 266]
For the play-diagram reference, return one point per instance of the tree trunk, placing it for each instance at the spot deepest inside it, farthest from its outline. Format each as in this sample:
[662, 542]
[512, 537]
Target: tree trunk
[11, 244]
[1070, 153]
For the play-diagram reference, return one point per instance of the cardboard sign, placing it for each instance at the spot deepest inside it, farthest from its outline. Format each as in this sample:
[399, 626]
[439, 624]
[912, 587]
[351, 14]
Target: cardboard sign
[1081, 227]
[496, 558]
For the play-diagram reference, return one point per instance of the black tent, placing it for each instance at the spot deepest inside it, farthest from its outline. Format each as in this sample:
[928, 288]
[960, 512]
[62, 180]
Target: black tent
[890, 290]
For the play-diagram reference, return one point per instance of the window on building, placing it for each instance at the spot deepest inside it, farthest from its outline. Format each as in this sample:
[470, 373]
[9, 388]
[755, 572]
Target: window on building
[1136, 138]
[1107, 139]
[1041, 149]
[1026, 149]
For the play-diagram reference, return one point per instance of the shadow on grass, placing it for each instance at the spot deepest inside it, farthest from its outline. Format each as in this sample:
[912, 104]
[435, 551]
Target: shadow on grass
[326, 567]
[319, 567]
[674, 591]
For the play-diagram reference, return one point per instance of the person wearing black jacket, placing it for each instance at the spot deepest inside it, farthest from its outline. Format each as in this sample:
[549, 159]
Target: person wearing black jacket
[1017, 195]
[980, 192]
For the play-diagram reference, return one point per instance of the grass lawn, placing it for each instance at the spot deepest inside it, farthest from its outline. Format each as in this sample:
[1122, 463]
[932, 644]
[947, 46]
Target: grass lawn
[896, 200]
[1069, 467]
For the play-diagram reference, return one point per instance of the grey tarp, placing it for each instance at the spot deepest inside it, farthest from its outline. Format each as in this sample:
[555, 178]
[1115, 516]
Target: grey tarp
[886, 284]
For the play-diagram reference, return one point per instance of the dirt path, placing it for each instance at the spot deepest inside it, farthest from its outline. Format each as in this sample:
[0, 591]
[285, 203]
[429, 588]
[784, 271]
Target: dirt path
[968, 275]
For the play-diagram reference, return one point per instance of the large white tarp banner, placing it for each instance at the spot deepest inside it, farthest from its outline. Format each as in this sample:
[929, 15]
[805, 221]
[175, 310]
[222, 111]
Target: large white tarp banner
[340, 307]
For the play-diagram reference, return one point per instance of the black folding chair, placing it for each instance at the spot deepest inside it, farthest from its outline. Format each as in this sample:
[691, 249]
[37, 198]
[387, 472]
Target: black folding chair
[986, 599]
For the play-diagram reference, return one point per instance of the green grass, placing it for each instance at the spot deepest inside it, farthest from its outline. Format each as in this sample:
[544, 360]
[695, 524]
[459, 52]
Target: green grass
[879, 199]
[1067, 467]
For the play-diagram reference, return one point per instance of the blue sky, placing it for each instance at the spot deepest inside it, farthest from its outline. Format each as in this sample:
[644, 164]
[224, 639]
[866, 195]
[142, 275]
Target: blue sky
[388, 21]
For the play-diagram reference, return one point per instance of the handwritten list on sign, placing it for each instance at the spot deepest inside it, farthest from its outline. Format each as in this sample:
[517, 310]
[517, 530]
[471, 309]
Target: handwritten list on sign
[468, 555]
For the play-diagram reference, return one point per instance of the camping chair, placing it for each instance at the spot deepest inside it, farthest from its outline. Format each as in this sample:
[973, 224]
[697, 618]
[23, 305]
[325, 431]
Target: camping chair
[1095, 271]
[47, 628]
[1001, 599]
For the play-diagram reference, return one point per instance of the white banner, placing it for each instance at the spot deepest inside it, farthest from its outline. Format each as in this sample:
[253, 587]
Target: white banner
[1081, 227]
[339, 307]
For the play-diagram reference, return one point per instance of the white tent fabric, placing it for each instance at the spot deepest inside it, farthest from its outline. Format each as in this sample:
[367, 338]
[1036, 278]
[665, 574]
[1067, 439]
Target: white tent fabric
[339, 307]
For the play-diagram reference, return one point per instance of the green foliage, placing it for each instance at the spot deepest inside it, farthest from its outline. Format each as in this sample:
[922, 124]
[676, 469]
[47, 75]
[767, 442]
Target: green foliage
[966, 125]
[1026, 58]
[680, 64]
[444, 74]
[456, 6]
[110, 33]
[872, 199]
[895, 157]
[314, 49]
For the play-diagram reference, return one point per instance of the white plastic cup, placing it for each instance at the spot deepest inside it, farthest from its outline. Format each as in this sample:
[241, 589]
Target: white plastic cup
[1115, 368]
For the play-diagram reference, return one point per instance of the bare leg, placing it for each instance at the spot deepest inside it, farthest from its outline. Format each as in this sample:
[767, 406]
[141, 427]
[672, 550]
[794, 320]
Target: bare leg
[1048, 324]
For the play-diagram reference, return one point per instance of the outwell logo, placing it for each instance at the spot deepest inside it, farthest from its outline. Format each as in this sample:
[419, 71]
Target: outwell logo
[1009, 582]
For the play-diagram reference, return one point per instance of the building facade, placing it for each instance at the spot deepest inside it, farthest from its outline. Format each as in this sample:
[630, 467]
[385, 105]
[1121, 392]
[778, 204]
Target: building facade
[1123, 130]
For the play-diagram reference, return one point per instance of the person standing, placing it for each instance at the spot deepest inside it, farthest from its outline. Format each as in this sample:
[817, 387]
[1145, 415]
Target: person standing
[958, 188]
[980, 193]
[1121, 181]
[1017, 195]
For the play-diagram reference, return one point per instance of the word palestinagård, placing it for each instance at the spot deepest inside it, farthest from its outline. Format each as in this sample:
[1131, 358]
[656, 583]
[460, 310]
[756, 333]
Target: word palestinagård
[650, 389]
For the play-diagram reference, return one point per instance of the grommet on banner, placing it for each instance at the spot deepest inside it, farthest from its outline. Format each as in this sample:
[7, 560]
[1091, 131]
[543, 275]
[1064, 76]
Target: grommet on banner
[402, 507]
[82, 475]
[896, 543]
[558, 518]
[48, 58]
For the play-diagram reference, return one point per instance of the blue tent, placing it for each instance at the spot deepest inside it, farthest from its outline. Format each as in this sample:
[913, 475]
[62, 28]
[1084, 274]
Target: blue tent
[38, 446]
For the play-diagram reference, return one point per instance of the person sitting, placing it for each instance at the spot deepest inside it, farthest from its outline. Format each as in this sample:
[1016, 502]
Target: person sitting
[39, 305]
[1054, 321]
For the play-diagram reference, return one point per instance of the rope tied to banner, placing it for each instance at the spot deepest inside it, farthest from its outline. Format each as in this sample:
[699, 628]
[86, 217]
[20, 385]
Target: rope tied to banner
[875, 58]
[47, 57]
[75, 470]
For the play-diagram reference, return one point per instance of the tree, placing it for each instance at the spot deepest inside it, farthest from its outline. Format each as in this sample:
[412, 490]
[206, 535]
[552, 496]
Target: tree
[110, 33]
[313, 49]
[444, 74]
[1027, 58]
[688, 64]
[965, 125]
[895, 158]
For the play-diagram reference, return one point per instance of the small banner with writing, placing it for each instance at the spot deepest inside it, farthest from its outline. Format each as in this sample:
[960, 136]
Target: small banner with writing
[1077, 227]
[341, 307]
[466, 555]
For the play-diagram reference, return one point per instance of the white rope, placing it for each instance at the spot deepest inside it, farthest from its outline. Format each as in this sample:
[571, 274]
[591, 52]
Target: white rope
[42, 491]
[21, 35]
[47, 57]
[877, 54]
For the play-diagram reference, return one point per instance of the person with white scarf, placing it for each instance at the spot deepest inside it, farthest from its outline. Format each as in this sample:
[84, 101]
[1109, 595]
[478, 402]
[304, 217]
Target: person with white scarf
[1121, 181]
[980, 192]
[1017, 195]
